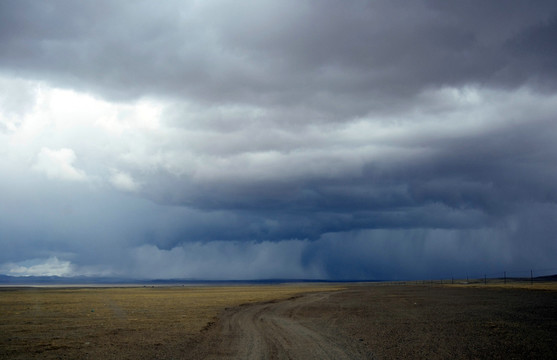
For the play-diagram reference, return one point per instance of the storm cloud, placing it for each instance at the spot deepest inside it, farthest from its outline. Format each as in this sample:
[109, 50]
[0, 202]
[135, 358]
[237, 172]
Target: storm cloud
[262, 139]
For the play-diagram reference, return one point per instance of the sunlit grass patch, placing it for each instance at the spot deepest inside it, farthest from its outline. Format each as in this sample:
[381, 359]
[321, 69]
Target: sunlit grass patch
[135, 320]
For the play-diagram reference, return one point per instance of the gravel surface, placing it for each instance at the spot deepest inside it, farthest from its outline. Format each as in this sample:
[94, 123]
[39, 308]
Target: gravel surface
[390, 322]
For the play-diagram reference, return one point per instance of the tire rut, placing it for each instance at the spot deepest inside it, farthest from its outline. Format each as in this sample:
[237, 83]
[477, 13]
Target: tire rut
[274, 331]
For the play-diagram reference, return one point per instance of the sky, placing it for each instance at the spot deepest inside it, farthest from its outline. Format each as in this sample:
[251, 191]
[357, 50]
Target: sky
[278, 138]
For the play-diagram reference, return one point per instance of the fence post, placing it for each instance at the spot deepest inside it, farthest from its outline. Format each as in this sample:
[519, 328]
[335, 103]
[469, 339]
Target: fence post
[485, 279]
[505, 276]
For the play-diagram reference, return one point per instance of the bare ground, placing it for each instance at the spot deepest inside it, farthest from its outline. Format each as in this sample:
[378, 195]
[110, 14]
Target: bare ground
[356, 322]
[390, 322]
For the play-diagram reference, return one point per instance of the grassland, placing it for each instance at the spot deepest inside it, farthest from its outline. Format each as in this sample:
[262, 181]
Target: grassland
[540, 285]
[133, 323]
[379, 321]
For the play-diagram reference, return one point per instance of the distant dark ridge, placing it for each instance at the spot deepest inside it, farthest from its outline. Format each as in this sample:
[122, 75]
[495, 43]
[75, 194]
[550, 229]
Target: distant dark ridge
[254, 281]
[87, 280]
[546, 278]
[527, 278]
[90, 280]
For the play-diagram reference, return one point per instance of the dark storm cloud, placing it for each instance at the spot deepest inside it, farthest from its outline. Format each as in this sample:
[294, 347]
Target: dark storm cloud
[328, 55]
[535, 53]
[461, 180]
[464, 183]
[351, 140]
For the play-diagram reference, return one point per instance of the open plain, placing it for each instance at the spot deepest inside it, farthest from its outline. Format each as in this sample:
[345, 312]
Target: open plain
[373, 321]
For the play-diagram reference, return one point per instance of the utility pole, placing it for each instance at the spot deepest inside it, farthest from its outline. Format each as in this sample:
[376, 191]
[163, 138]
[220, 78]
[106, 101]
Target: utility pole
[531, 277]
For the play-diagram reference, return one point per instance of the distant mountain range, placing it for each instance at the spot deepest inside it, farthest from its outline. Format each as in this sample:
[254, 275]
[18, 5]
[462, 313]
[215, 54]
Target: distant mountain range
[7, 280]
[546, 278]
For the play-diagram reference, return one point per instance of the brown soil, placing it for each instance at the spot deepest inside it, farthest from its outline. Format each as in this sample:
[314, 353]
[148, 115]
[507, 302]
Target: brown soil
[390, 322]
[356, 322]
[119, 322]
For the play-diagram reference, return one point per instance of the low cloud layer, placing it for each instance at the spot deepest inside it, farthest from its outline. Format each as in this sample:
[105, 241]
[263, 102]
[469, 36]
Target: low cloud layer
[49, 267]
[303, 139]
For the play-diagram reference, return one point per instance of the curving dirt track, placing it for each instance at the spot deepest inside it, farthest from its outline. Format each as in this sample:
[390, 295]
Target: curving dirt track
[359, 321]
[274, 330]
[389, 322]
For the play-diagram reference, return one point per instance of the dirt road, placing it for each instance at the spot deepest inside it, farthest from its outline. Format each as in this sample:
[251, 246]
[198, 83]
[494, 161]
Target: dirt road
[360, 321]
[274, 331]
[389, 322]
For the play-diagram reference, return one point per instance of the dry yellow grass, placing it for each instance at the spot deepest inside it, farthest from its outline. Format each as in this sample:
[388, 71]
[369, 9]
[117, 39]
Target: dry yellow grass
[546, 285]
[102, 322]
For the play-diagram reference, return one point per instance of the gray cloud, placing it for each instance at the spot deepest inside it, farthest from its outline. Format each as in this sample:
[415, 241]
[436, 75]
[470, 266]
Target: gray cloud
[363, 140]
[324, 55]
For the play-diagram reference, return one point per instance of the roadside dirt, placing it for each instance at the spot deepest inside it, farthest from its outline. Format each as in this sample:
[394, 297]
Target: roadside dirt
[389, 322]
